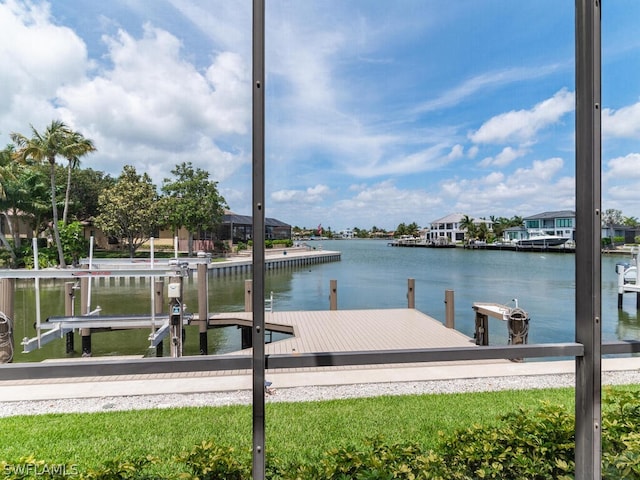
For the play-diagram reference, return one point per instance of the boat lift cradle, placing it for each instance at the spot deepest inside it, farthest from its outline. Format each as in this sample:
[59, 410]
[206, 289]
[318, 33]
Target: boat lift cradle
[57, 326]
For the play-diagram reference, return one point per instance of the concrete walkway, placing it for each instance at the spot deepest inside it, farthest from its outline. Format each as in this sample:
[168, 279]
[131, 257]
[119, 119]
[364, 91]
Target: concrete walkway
[203, 382]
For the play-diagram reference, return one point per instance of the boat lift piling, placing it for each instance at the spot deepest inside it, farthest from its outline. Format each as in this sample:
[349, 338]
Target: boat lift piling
[628, 280]
[517, 322]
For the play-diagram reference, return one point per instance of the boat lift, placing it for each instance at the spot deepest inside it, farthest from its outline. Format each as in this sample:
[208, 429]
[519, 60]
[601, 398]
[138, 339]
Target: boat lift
[517, 322]
[628, 278]
[57, 327]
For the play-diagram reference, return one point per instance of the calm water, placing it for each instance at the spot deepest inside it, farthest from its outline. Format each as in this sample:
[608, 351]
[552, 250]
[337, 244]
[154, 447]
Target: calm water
[370, 275]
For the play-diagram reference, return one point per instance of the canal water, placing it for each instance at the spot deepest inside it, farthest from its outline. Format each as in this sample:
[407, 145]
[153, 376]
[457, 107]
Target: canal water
[370, 275]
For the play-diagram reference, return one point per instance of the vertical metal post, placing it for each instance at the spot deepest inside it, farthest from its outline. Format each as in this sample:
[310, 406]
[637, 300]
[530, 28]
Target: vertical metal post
[176, 312]
[203, 307]
[159, 307]
[69, 311]
[85, 333]
[588, 228]
[258, 239]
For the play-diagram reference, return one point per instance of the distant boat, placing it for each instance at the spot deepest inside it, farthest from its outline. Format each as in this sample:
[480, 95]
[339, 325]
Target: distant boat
[541, 239]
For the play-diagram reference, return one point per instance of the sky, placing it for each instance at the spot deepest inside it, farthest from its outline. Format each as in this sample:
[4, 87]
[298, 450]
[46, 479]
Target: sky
[377, 112]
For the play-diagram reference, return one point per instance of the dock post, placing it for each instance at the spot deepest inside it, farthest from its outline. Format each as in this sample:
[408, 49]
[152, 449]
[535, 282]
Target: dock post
[450, 316]
[159, 308]
[203, 307]
[7, 287]
[247, 332]
[333, 294]
[176, 310]
[411, 293]
[482, 329]
[69, 311]
[248, 295]
[85, 333]
[620, 272]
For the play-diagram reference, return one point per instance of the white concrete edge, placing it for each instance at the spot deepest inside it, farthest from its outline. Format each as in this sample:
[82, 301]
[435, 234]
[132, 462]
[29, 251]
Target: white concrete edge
[222, 383]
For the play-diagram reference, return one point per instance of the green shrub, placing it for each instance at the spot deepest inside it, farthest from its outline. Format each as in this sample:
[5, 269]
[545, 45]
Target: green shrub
[208, 461]
[124, 470]
[525, 444]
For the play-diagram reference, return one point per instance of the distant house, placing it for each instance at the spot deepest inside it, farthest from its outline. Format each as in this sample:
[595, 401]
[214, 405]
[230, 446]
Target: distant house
[629, 234]
[447, 229]
[239, 228]
[561, 223]
[347, 234]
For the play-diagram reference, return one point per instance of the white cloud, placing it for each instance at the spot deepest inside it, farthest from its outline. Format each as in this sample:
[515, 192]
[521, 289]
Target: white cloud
[521, 126]
[483, 81]
[295, 198]
[457, 151]
[385, 205]
[527, 190]
[624, 122]
[623, 168]
[37, 57]
[504, 158]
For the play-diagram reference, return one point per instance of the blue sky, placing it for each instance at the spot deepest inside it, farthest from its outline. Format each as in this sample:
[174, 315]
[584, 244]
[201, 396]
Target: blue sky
[378, 112]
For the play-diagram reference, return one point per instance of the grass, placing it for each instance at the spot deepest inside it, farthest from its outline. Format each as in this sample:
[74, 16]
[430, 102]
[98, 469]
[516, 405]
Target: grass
[295, 431]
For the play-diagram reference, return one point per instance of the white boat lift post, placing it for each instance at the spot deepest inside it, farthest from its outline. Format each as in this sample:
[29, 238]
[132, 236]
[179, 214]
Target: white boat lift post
[625, 276]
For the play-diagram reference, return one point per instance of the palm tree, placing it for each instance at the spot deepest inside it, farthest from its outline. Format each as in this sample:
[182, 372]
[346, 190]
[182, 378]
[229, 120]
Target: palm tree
[57, 139]
[467, 224]
[78, 146]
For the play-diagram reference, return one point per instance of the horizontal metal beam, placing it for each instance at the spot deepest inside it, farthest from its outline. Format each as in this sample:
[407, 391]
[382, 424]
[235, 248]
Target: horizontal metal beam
[104, 367]
[84, 273]
[620, 347]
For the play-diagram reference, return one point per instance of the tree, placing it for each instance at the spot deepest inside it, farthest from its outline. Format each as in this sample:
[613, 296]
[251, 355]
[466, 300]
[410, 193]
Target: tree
[469, 227]
[192, 201]
[129, 209]
[413, 229]
[610, 218]
[86, 186]
[78, 146]
[57, 140]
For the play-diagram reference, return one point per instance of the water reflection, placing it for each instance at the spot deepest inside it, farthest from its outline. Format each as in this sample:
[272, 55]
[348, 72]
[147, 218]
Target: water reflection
[370, 275]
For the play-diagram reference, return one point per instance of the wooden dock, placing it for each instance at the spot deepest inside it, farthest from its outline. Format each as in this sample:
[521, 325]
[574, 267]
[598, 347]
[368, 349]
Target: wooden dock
[350, 330]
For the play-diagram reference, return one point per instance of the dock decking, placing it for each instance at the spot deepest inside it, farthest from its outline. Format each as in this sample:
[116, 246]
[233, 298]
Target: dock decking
[350, 330]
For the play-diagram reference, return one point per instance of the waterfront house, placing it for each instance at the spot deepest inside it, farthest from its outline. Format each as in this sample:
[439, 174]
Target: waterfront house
[560, 223]
[239, 228]
[448, 230]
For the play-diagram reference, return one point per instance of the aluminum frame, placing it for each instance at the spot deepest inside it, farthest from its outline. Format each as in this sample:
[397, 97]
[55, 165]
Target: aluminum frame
[587, 349]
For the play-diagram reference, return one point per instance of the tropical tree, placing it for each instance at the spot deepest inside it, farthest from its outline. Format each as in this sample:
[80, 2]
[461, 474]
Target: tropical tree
[610, 218]
[86, 186]
[56, 140]
[129, 209]
[413, 229]
[78, 146]
[6, 162]
[467, 224]
[192, 201]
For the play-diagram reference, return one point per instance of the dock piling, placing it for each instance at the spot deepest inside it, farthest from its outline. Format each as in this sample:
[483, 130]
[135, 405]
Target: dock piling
[69, 298]
[203, 307]
[411, 293]
[7, 287]
[450, 316]
[85, 333]
[333, 295]
[159, 309]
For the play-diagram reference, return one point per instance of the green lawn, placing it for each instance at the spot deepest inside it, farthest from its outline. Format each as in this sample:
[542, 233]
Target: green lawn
[295, 431]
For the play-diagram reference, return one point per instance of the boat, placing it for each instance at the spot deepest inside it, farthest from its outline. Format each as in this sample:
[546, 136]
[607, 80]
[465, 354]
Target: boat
[539, 238]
